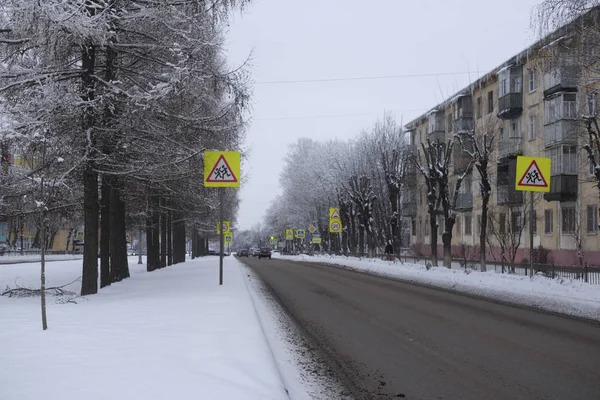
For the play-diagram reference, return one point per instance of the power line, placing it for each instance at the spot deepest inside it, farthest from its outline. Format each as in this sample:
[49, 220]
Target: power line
[362, 78]
[325, 116]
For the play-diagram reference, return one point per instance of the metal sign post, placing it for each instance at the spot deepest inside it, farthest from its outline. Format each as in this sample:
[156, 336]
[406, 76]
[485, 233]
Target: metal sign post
[221, 170]
[533, 175]
[222, 234]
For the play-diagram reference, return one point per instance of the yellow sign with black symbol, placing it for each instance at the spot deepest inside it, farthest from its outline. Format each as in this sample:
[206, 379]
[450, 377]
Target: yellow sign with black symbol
[222, 169]
[533, 174]
[226, 226]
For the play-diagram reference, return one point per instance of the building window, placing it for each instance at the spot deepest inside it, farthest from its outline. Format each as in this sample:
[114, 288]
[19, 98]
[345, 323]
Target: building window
[468, 230]
[413, 226]
[532, 133]
[548, 222]
[532, 80]
[570, 106]
[479, 224]
[426, 226]
[457, 225]
[564, 159]
[502, 223]
[479, 107]
[441, 224]
[534, 222]
[591, 103]
[563, 106]
[591, 169]
[515, 129]
[420, 227]
[490, 101]
[449, 124]
[592, 219]
[515, 221]
[568, 220]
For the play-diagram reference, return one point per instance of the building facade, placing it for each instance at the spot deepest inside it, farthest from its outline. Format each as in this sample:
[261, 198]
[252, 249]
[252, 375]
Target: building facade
[534, 104]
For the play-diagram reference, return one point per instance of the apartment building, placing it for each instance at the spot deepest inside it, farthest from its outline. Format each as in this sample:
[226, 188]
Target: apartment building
[534, 105]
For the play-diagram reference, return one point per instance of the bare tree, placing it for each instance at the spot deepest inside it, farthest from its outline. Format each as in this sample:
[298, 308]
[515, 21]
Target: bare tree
[433, 154]
[479, 148]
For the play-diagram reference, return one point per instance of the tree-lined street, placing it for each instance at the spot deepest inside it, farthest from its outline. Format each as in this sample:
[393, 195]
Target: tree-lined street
[390, 338]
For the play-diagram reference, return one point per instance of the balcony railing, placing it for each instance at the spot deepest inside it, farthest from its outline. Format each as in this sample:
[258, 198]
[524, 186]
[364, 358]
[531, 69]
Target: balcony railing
[562, 188]
[510, 105]
[464, 201]
[409, 209]
[563, 78]
[461, 160]
[562, 131]
[507, 194]
[436, 136]
[463, 125]
[508, 147]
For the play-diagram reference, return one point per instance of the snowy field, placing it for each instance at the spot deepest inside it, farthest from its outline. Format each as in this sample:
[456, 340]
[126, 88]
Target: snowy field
[559, 295]
[169, 334]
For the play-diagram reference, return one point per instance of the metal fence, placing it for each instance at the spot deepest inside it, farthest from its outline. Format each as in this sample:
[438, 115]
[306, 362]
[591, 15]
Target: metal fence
[589, 274]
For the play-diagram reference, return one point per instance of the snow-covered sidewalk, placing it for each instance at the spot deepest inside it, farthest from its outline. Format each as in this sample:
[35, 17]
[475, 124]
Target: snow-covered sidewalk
[30, 258]
[556, 295]
[169, 334]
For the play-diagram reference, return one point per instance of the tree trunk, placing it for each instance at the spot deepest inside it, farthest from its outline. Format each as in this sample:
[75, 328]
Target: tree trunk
[361, 241]
[195, 244]
[118, 237]
[69, 236]
[156, 232]
[89, 276]
[394, 223]
[447, 241]
[169, 238]
[178, 238]
[482, 236]
[150, 266]
[163, 236]
[434, 249]
[105, 278]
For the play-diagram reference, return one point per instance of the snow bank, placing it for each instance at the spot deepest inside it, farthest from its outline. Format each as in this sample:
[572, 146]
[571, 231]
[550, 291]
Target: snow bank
[170, 334]
[559, 295]
[12, 259]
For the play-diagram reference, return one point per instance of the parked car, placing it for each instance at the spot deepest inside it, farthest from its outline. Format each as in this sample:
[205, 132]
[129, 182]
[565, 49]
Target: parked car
[243, 253]
[264, 253]
[3, 248]
[254, 252]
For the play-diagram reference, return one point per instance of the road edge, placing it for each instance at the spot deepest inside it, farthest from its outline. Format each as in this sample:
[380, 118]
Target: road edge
[287, 356]
[490, 299]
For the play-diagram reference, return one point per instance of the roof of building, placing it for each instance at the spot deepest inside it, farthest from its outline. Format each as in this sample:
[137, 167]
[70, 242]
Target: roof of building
[548, 40]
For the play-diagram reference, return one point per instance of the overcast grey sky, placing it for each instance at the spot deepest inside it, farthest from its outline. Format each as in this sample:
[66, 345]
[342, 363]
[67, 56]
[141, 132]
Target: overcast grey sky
[448, 42]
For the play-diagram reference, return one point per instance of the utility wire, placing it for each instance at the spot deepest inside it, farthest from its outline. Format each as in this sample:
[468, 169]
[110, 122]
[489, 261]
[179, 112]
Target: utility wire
[362, 78]
[325, 116]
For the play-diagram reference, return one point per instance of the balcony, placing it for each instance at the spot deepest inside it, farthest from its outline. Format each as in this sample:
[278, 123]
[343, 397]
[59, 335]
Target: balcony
[562, 79]
[508, 195]
[464, 124]
[561, 131]
[409, 209]
[563, 187]
[461, 160]
[464, 201]
[506, 192]
[508, 148]
[435, 129]
[510, 105]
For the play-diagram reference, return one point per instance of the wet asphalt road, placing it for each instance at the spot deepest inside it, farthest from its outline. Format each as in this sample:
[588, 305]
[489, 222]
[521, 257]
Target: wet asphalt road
[389, 339]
